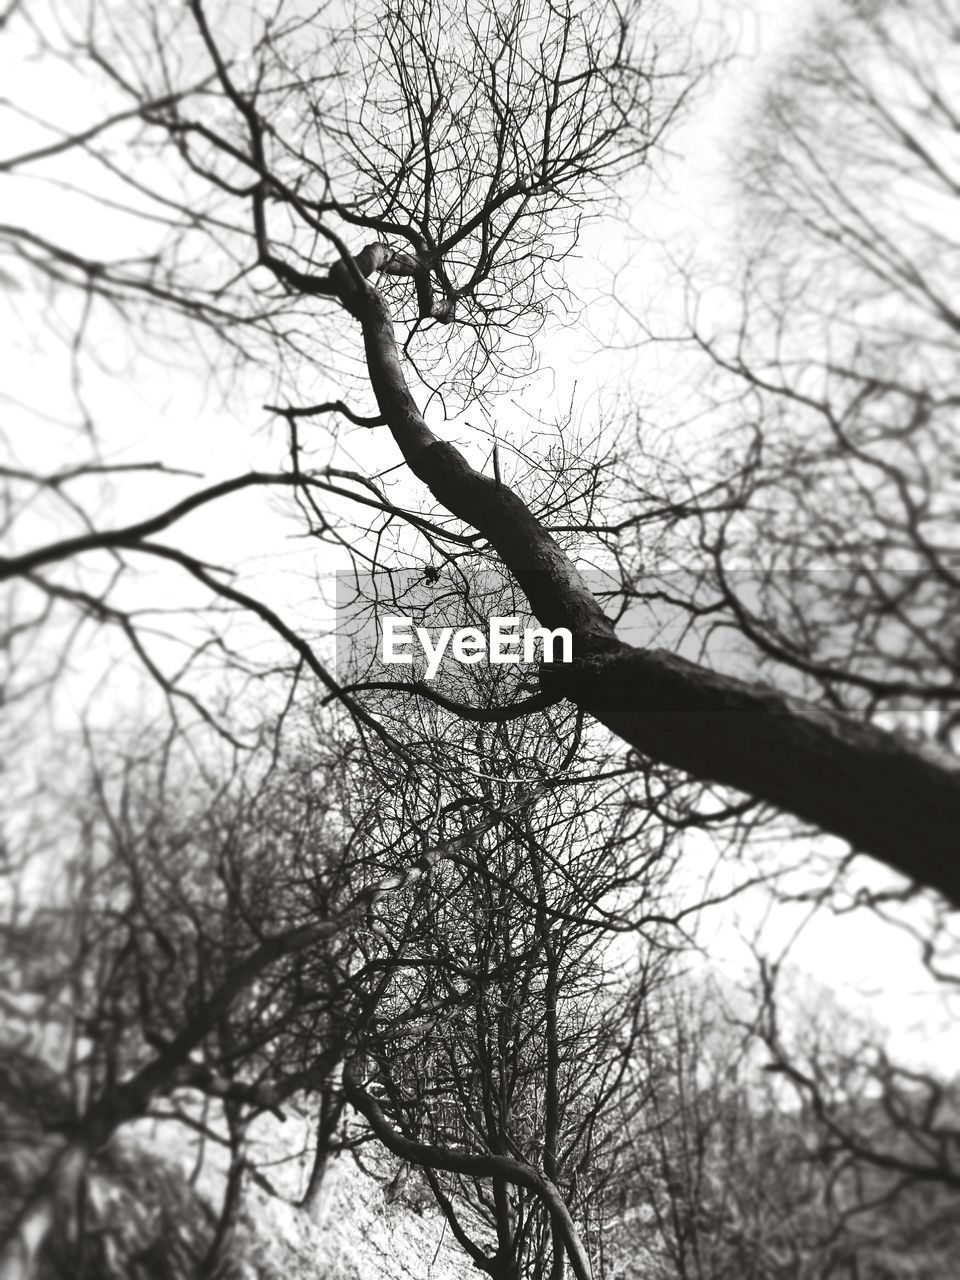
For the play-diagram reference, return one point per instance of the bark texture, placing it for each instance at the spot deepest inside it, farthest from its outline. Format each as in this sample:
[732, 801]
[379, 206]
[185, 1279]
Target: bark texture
[892, 799]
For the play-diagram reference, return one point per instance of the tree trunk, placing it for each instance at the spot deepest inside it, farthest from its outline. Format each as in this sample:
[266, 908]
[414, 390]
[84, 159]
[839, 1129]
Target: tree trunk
[315, 1197]
[895, 801]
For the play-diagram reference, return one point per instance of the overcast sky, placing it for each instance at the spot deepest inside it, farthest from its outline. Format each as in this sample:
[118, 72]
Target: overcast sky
[172, 413]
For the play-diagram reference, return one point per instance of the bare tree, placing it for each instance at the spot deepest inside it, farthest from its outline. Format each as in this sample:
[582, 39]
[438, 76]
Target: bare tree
[198, 941]
[377, 208]
[735, 1175]
[445, 200]
[497, 1036]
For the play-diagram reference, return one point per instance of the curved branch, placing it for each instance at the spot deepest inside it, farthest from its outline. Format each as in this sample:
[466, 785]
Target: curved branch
[479, 715]
[328, 406]
[450, 1160]
[888, 797]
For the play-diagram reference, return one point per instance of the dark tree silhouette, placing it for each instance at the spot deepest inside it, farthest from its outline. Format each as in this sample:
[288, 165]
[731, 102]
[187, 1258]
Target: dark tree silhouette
[377, 207]
[443, 163]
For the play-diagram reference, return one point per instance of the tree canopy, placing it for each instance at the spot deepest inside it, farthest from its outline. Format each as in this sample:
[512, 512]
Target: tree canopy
[360, 225]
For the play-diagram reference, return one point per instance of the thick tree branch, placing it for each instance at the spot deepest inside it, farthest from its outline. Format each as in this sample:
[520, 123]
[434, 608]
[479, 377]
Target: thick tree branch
[896, 801]
[450, 1160]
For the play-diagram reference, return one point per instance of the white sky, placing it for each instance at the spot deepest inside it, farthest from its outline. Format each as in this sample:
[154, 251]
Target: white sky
[171, 414]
